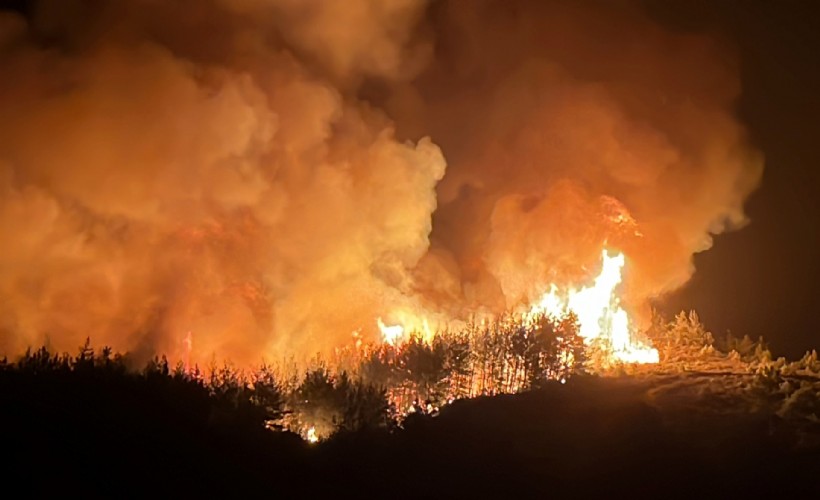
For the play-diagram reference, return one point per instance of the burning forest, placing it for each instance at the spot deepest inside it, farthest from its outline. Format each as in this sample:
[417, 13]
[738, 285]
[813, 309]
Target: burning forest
[331, 218]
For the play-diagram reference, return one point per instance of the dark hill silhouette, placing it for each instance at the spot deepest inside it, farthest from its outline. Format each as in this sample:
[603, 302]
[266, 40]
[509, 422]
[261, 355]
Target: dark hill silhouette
[105, 431]
[592, 436]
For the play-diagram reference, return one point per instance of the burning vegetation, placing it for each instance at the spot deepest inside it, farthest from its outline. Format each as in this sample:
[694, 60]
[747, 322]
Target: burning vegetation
[701, 413]
[398, 208]
[377, 387]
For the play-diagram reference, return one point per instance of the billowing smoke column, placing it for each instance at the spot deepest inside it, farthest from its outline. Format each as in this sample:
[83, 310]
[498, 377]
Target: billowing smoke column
[202, 166]
[269, 175]
[568, 126]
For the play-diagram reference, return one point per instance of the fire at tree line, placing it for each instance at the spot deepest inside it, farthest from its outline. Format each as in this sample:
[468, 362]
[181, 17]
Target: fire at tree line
[381, 387]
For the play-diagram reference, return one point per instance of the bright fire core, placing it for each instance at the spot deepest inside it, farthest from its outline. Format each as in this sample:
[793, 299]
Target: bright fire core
[600, 316]
[599, 313]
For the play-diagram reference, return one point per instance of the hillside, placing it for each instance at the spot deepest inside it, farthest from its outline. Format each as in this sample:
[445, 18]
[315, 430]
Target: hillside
[672, 435]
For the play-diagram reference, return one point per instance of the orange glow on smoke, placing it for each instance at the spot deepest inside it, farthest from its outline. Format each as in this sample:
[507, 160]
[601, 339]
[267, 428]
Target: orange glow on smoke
[322, 169]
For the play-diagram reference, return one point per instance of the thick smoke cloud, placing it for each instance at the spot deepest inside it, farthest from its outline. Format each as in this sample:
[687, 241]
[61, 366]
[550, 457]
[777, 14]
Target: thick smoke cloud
[269, 175]
[170, 168]
[568, 126]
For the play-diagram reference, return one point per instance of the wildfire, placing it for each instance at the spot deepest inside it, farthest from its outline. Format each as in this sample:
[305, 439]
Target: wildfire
[599, 313]
[597, 307]
[390, 333]
[311, 436]
[407, 323]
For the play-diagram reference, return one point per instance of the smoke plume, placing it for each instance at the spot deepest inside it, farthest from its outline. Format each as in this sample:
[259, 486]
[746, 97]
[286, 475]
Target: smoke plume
[269, 175]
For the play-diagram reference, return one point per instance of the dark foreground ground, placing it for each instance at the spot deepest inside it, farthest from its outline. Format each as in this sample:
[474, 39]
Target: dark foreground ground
[617, 438]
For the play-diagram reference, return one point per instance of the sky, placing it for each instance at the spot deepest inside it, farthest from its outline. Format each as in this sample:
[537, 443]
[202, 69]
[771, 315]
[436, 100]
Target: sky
[240, 169]
[764, 280]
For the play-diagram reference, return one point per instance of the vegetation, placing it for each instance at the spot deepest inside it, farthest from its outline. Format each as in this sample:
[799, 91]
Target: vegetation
[101, 421]
[384, 384]
[379, 385]
[501, 357]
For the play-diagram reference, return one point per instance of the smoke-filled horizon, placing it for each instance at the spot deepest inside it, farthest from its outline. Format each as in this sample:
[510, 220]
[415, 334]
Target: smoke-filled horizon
[273, 175]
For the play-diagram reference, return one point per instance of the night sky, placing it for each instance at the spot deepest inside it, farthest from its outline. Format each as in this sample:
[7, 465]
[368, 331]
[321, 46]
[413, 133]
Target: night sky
[765, 279]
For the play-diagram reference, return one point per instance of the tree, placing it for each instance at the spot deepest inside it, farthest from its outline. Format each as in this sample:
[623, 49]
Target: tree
[267, 395]
[682, 339]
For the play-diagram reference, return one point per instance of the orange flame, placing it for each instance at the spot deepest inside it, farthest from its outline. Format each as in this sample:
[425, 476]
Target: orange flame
[597, 307]
[311, 436]
[407, 323]
[599, 313]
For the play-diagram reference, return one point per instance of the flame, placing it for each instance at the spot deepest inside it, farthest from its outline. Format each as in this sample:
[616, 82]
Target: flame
[597, 308]
[391, 334]
[407, 323]
[599, 313]
[311, 436]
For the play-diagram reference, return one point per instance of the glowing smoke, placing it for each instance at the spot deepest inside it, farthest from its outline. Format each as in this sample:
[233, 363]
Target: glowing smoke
[567, 124]
[231, 168]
